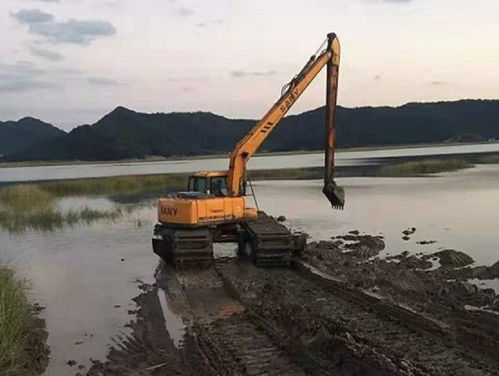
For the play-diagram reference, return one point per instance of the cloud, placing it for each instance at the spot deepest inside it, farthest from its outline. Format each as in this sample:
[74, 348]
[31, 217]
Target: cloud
[21, 76]
[25, 76]
[46, 54]
[71, 31]
[21, 84]
[103, 81]
[32, 16]
[238, 73]
[185, 12]
[209, 23]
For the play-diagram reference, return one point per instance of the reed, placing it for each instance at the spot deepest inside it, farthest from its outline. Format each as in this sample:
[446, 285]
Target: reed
[423, 167]
[16, 314]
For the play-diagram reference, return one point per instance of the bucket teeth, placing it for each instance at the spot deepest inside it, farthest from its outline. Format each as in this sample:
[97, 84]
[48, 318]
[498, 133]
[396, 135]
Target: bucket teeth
[335, 195]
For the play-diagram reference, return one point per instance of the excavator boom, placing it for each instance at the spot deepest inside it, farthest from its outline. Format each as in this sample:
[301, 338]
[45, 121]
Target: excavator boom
[247, 146]
[214, 209]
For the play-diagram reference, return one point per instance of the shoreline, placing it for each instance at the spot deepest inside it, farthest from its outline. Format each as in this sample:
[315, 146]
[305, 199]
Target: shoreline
[23, 332]
[225, 155]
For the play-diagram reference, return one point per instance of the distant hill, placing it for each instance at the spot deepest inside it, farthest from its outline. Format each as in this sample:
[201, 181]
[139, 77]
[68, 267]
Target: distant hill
[124, 133]
[16, 136]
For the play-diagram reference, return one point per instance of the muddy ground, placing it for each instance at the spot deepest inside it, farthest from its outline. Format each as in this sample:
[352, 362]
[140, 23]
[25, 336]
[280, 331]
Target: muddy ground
[340, 310]
[35, 357]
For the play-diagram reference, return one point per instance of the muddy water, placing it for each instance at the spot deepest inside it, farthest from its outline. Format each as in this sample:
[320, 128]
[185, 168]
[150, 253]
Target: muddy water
[78, 275]
[459, 210]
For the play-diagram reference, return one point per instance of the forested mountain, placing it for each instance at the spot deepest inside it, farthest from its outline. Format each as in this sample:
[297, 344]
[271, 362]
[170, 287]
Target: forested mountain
[124, 133]
[16, 136]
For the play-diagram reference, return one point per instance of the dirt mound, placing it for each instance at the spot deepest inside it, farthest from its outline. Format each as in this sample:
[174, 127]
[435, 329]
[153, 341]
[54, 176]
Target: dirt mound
[453, 258]
[465, 273]
[414, 262]
[360, 246]
[444, 293]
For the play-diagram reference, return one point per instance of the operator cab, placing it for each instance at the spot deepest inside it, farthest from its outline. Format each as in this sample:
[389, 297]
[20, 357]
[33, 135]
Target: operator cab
[209, 182]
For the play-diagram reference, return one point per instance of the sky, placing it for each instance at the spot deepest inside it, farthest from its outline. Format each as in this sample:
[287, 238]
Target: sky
[69, 62]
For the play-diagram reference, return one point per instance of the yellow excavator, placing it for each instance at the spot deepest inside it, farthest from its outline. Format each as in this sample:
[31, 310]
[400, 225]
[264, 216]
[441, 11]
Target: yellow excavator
[214, 207]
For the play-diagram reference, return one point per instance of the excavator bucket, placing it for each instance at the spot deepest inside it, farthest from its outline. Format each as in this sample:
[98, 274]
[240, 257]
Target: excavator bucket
[335, 194]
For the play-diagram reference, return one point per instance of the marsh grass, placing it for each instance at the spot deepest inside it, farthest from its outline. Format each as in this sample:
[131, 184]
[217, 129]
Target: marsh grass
[423, 167]
[492, 159]
[116, 185]
[26, 198]
[287, 174]
[16, 326]
[30, 206]
[112, 186]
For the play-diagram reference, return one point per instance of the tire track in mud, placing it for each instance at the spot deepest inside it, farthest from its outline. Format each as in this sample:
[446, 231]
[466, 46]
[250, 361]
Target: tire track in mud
[227, 335]
[148, 349]
[316, 308]
[243, 320]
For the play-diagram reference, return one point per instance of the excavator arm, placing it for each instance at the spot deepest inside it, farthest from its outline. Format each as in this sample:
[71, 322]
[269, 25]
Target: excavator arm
[247, 146]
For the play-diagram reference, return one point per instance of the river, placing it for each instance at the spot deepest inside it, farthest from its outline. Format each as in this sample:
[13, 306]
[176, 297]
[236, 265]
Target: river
[343, 158]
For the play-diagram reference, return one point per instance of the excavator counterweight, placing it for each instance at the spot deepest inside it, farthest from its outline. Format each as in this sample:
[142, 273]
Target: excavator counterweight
[214, 207]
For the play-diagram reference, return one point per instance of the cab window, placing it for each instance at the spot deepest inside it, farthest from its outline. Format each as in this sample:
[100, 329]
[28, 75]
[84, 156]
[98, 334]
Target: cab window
[218, 186]
[197, 184]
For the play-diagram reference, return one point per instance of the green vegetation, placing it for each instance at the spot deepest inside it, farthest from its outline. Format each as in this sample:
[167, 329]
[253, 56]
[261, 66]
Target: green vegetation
[16, 326]
[427, 166]
[492, 159]
[287, 174]
[126, 134]
[30, 206]
[126, 185]
[114, 185]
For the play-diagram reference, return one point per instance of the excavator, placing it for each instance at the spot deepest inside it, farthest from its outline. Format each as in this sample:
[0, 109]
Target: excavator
[214, 207]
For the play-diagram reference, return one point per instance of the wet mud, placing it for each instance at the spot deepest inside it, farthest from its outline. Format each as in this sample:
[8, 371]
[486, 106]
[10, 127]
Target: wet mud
[37, 351]
[339, 309]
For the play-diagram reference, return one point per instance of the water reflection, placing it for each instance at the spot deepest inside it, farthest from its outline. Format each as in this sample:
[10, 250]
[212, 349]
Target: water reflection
[343, 159]
[85, 275]
[459, 210]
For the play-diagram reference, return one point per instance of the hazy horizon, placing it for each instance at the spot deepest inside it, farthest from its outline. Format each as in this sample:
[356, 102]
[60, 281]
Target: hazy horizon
[67, 129]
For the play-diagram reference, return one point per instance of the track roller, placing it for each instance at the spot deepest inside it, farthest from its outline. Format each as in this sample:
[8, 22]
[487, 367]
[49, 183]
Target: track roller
[183, 248]
[267, 242]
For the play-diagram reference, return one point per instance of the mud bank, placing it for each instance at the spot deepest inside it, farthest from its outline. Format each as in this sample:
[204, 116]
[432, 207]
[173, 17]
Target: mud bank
[442, 294]
[149, 349]
[37, 350]
[361, 316]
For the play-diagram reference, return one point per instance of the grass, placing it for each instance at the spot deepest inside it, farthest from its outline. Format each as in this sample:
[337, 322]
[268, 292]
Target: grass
[16, 313]
[287, 174]
[31, 206]
[26, 197]
[114, 185]
[126, 185]
[423, 167]
[492, 159]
